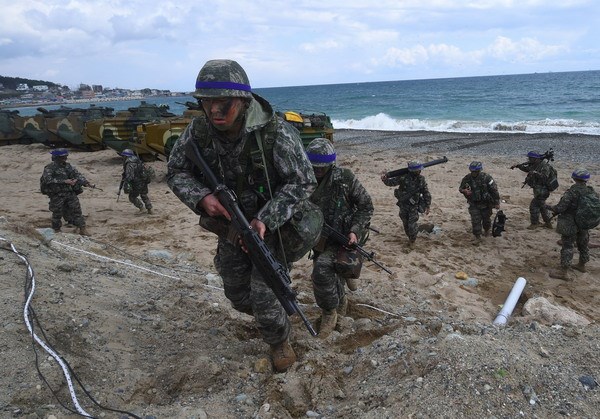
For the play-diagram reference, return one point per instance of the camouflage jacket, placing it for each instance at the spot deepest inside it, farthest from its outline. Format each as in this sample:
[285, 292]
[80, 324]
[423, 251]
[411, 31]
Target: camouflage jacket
[484, 191]
[411, 190]
[133, 171]
[345, 203]
[54, 176]
[292, 178]
[567, 206]
[537, 177]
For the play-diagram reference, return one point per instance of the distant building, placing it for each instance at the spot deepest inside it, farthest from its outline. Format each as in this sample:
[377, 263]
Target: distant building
[23, 87]
[40, 88]
[97, 88]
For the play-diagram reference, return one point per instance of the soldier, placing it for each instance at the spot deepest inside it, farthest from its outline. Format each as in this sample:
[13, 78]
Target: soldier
[566, 226]
[539, 174]
[347, 208]
[482, 194]
[62, 183]
[254, 152]
[413, 197]
[134, 181]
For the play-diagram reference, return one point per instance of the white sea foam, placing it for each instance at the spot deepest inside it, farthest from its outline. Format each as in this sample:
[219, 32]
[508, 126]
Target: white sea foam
[383, 122]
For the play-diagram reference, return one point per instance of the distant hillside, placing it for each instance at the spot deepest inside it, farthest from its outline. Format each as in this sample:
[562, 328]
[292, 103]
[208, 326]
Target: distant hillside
[11, 83]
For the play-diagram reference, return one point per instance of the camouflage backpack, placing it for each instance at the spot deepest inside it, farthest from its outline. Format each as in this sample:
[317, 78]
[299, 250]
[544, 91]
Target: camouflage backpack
[587, 215]
[147, 174]
[552, 180]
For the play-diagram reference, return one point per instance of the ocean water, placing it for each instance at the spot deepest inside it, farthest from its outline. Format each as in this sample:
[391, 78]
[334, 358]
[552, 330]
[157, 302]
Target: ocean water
[566, 102]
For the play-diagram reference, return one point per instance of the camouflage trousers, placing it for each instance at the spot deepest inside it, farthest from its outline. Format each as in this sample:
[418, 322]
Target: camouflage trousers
[245, 287]
[537, 207]
[481, 218]
[137, 193]
[328, 287]
[582, 239]
[409, 216]
[65, 206]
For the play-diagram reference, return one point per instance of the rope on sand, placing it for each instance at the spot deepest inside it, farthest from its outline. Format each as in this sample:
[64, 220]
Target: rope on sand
[26, 315]
[122, 262]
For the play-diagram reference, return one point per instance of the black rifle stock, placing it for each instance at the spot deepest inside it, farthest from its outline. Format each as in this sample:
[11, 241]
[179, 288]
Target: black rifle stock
[276, 275]
[404, 170]
[339, 238]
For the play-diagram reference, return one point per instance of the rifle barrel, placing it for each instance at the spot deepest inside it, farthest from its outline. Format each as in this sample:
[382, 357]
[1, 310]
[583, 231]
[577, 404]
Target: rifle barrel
[404, 170]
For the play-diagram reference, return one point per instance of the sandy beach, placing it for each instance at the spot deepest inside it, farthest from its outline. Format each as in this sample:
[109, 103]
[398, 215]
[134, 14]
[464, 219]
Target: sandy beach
[137, 310]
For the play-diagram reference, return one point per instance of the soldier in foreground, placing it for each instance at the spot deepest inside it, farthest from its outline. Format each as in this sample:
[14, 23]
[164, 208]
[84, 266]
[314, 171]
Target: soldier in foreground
[567, 225]
[413, 197]
[260, 157]
[347, 208]
[134, 181]
[540, 177]
[62, 183]
[481, 192]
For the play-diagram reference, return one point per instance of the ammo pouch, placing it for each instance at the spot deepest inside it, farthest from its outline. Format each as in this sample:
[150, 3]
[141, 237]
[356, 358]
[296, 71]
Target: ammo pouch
[302, 231]
[348, 263]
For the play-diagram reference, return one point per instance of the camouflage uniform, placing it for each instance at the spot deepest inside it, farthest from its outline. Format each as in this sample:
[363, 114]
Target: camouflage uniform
[567, 228]
[134, 183]
[484, 196]
[537, 179]
[292, 181]
[346, 207]
[64, 202]
[412, 194]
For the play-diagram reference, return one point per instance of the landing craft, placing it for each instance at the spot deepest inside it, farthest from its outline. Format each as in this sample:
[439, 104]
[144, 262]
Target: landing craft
[71, 128]
[120, 132]
[9, 132]
[311, 126]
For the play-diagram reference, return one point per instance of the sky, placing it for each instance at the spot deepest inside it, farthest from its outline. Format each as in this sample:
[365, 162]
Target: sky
[162, 44]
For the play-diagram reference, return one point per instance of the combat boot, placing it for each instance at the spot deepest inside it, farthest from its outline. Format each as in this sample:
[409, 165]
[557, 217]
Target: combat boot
[548, 224]
[486, 233]
[352, 283]
[149, 210]
[283, 356]
[56, 230]
[141, 209]
[477, 240]
[533, 226]
[342, 309]
[561, 273]
[328, 322]
[83, 231]
[580, 267]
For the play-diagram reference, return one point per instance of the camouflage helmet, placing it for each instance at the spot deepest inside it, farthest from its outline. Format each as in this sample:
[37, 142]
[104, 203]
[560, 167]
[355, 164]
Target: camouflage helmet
[320, 152]
[475, 166]
[580, 174]
[534, 155]
[59, 152]
[222, 78]
[127, 153]
[415, 166]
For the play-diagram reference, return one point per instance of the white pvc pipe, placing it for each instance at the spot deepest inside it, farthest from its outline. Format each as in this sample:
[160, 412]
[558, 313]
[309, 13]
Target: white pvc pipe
[511, 301]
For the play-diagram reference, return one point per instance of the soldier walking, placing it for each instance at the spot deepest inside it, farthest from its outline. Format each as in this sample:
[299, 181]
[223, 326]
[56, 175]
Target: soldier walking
[62, 183]
[481, 192]
[134, 181]
[258, 155]
[347, 208]
[571, 233]
[413, 197]
[540, 176]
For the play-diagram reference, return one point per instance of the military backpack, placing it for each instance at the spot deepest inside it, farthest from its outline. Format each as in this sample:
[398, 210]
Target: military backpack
[587, 215]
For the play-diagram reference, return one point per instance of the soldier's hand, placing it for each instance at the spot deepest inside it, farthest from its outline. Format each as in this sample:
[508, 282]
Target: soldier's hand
[211, 205]
[513, 166]
[352, 239]
[497, 206]
[383, 176]
[71, 181]
[259, 227]
[427, 211]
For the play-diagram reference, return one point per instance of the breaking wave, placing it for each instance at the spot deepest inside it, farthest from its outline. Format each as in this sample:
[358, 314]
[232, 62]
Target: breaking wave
[383, 122]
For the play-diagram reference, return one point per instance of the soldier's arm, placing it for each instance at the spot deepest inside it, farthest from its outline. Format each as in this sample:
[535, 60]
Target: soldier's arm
[425, 193]
[565, 202]
[180, 175]
[296, 174]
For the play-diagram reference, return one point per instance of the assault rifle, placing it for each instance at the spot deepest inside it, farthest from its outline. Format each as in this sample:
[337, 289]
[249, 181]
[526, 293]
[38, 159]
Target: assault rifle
[339, 238]
[120, 189]
[275, 274]
[404, 170]
[548, 155]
